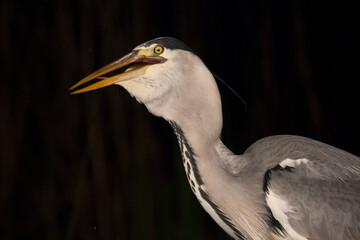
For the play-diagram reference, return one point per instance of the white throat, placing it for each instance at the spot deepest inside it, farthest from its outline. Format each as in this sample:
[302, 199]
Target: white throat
[194, 103]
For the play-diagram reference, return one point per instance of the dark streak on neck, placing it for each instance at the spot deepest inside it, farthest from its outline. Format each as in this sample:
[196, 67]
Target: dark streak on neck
[221, 215]
[189, 152]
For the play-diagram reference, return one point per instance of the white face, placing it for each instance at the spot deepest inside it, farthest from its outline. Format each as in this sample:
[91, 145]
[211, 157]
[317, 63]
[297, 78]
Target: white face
[159, 78]
[181, 88]
[172, 83]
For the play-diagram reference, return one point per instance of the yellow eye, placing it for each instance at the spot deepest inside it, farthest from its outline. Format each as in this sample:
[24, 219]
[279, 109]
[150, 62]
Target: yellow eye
[158, 49]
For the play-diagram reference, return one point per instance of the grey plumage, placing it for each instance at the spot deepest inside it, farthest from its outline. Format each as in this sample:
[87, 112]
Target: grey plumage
[282, 187]
[324, 195]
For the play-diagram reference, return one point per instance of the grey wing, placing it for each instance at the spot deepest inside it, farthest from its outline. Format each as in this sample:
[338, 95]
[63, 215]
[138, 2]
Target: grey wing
[314, 191]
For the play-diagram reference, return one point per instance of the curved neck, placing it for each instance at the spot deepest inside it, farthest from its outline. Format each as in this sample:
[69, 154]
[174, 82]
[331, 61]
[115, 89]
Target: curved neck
[194, 103]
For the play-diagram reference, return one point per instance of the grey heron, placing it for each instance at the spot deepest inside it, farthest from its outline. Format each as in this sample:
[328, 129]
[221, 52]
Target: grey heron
[281, 187]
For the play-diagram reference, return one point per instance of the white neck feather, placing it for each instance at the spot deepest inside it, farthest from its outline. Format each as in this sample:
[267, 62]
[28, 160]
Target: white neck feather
[194, 104]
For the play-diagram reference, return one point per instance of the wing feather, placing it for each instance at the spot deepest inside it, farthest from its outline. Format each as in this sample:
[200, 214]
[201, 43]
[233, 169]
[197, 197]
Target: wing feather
[321, 195]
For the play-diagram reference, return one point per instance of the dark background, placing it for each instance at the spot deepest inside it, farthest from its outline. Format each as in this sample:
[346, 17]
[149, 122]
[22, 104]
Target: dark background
[98, 165]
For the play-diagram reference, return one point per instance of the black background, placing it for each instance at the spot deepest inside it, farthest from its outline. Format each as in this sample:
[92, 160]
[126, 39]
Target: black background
[98, 165]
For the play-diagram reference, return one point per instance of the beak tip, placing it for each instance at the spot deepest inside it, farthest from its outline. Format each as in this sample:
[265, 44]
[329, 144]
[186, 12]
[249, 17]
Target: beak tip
[106, 81]
[73, 86]
[77, 91]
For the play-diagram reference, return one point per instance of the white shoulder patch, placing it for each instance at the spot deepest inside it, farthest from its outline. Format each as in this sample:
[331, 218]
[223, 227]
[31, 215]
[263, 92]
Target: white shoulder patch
[279, 207]
[288, 162]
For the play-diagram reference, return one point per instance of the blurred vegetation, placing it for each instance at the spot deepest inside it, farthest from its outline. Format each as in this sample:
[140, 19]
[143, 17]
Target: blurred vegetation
[98, 165]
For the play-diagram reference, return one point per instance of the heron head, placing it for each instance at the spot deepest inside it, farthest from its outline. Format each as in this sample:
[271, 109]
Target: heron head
[146, 72]
[164, 74]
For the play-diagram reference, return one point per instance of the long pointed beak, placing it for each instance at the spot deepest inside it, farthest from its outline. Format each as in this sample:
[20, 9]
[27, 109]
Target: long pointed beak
[137, 71]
